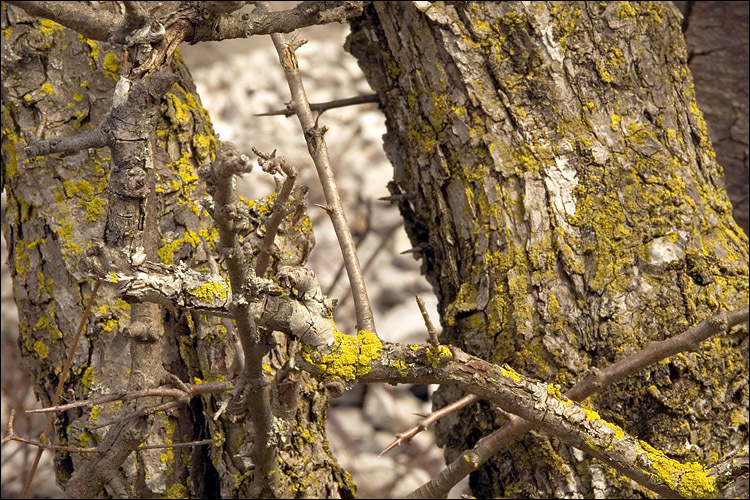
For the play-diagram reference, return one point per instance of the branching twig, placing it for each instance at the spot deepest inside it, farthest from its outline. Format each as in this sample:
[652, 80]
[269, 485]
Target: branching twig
[427, 421]
[194, 390]
[11, 436]
[489, 445]
[266, 22]
[318, 149]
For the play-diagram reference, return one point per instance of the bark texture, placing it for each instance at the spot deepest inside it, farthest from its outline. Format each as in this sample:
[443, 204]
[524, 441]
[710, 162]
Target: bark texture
[57, 83]
[558, 177]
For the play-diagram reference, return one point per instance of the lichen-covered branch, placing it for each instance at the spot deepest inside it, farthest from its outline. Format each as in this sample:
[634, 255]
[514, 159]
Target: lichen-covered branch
[209, 21]
[260, 22]
[367, 360]
[489, 445]
[93, 23]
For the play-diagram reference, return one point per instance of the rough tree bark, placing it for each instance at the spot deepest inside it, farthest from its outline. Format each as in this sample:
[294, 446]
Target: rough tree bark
[556, 174]
[57, 83]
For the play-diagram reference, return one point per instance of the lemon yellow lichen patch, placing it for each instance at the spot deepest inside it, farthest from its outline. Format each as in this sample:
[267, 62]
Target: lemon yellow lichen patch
[208, 291]
[166, 252]
[510, 372]
[49, 27]
[592, 415]
[689, 479]
[401, 367]
[350, 356]
[47, 87]
[111, 66]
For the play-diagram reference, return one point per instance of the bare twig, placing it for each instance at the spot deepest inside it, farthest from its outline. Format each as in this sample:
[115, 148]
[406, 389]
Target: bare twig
[489, 445]
[427, 421]
[319, 152]
[360, 238]
[11, 436]
[428, 322]
[321, 107]
[194, 389]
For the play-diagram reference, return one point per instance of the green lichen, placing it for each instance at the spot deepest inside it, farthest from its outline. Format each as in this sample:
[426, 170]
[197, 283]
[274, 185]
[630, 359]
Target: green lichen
[350, 356]
[177, 490]
[41, 349]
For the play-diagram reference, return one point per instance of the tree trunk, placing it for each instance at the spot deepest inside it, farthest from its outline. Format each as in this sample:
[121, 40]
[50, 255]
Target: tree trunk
[556, 174]
[57, 84]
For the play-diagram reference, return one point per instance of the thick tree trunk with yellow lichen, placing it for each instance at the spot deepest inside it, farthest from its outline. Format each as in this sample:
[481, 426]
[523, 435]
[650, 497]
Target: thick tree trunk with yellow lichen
[57, 84]
[557, 176]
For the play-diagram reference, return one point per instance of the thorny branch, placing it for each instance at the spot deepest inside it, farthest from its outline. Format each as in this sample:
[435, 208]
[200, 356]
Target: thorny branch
[318, 150]
[321, 107]
[538, 403]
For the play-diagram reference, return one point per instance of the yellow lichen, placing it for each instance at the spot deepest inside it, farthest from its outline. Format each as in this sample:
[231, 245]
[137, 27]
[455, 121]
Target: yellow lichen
[350, 356]
[401, 367]
[177, 490]
[689, 479]
[435, 354]
[208, 291]
[510, 372]
[41, 349]
[111, 66]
